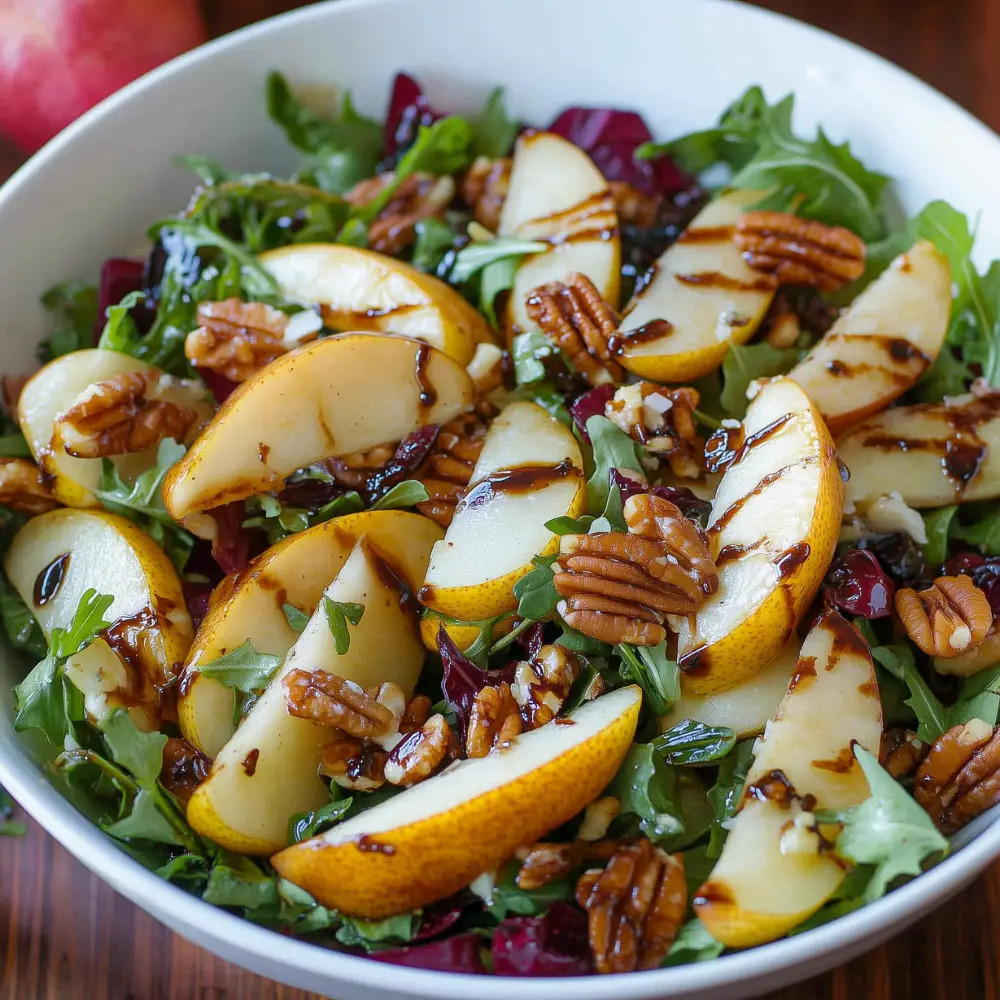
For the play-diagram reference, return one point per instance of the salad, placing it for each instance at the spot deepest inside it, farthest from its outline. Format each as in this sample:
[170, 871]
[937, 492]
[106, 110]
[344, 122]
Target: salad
[534, 551]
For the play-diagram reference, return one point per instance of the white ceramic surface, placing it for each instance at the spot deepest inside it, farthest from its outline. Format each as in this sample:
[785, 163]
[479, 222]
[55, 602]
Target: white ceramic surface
[91, 193]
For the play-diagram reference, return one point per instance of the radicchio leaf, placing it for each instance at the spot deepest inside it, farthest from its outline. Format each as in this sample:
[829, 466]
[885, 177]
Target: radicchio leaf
[552, 945]
[590, 404]
[197, 596]
[220, 386]
[462, 953]
[410, 454]
[408, 110]
[532, 640]
[858, 585]
[463, 680]
[443, 916]
[232, 544]
[120, 276]
[690, 505]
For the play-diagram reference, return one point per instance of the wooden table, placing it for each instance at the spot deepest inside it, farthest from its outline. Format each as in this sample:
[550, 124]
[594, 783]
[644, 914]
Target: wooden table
[67, 936]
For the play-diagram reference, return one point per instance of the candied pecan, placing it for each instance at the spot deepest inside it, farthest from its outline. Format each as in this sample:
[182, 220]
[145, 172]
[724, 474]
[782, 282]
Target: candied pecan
[662, 420]
[781, 324]
[184, 768]
[418, 755]
[418, 196]
[493, 722]
[331, 700]
[619, 587]
[577, 320]
[484, 189]
[800, 251]
[23, 488]
[544, 862]
[449, 466]
[635, 907]
[960, 776]
[635, 208]
[948, 619]
[542, 684]
[117, 417]
[415, 715]
[355, 764]
[352, 471]
[901, 752]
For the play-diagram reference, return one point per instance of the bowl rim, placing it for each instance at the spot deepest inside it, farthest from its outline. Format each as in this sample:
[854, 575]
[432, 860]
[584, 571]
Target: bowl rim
[225, 933]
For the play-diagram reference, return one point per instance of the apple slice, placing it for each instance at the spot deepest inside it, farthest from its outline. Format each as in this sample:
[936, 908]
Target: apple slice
[332, 397]
[529, 471]
[772, 531]
[433, 839]
[701, 298]
[250, 605]
[363, 290]
[267, 772]
[771, 875]
[57, 385]
[931, 454]
[557, 196]
[57, 557]
[745, 708]
[886, 340]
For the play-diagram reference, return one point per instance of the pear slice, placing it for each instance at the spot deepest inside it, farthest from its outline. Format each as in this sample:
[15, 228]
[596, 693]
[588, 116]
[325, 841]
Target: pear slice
[363, 290]
[557, 196]
[246, 806]
[771, 875]
[744, 708]
[701, 298]
[57, 557]
[250, 605]
[332, 397]
[433, 839]
[772, 531]
[529, 471]
[885, 341]
[57, 385]
[932, 454]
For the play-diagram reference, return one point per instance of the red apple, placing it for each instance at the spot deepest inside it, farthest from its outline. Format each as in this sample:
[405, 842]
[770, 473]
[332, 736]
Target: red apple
[60, 57]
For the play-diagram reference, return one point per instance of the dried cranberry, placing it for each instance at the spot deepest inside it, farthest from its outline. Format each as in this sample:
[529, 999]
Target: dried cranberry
[858, 585]
[552, 945]
[232, 545]
[963, 564]
[408, 110]
[899, 553]
[590, 404]
[690, 505]
[409, 456]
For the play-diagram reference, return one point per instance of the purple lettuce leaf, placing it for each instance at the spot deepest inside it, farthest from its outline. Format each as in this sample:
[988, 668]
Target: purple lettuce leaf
[463, 680]
[551, 945]
[462, 953]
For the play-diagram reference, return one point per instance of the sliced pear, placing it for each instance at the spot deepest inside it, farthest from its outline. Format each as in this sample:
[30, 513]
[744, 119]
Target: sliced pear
[557, 196]
[772, 531]
[931, 454]
[771, 875]
[433, 839]
[57, 385]
[57, 557]
[332, 397]
[363, 290]
[704, 290]
[529, 471]
[246, 807]
[462, 634]
[744, 708]
[885, 341]
[249, 605]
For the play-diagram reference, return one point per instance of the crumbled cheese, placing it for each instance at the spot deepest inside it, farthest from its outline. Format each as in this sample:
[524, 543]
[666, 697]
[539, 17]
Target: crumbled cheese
[483, 886]
[800, 836]
[975, 731]
[961, 638]
[483, 361]
[301, 325]
[890, 514]
[730, 424]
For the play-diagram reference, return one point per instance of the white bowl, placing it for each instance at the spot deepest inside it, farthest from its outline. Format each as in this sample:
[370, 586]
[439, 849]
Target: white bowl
[91, 193]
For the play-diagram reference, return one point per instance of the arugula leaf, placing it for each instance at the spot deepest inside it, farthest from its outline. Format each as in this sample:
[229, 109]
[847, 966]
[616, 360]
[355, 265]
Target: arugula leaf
[888, 830]
[73, 307]
[613, 449]
[338, 614]
[570, 525]
[503, 897]
[646, 787]
[473, 257]
[744, 363]
[693, 944]
[186, 868]
[725, 794]
[493, 130]
[979, 698]
[654, 672]
[237, 881]
[375, 934]
[19, 623]
[243, 669]
[932, 717]
[495, 279]
[408, 493]
[937, 524]
[141, 754]
[145, 821]
[210, 172]
[302, 826]
[536, 591]
[120, 332]
[983, 532]
[295, 910]
[527, 351]
[691, 742]
[434, 239]
[297, 620]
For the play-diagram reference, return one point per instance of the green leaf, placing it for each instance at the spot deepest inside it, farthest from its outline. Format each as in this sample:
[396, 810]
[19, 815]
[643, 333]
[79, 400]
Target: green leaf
[434, 239]
[237, 881]
[186, 868]
[72, 306]
[725, 794]
[983, 531]
[494, 279]
[937, 524]
[888, 830]
[408, 493]
[302, 826]
[932, 717]
[527, 350]
[144, 822]
[493, 130]
[691, 742]
[654, 672]
[297, 620]
[536, 591]
[613, 449]
[243, 669]
[338, 614]
[505, 899]
[19, 623]
[375, 934]
[646, 787]
[744, 363]
[978, 698]
[473, 257]
[141, 754]
[210, 172]
[693, 944]
[14, 445]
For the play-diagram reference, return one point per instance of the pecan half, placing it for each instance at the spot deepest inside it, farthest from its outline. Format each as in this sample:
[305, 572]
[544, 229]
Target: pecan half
[331, 700]
[418, 196]
[960, 776]
[448, 468]
[800, 251]
[494, 721]
[620, 587]
[577, 320]
[418, 755]
[635, 907]
[355, 764]
[948, 619]
[23, 488]
[901, 752]
[662, 420]
[117, 417]
[542, 685]
[484, 189]
[544, 863]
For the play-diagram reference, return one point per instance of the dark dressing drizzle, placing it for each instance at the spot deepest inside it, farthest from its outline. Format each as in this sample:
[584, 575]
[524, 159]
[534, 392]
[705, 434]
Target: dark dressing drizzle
[428, 394]
[706, 234]
[391, 578]
[50, 579]
[715, 279]
[523, 480]
[657, 329]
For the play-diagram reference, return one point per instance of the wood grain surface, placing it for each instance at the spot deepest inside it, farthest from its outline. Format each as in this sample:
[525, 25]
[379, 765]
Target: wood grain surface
[67, 936]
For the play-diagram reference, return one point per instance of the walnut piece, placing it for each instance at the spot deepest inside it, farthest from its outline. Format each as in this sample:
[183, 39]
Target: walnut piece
[901, 752]
[620, 587]
[418, 755]
[23, 488]
[352, 471]
[236, 339]
[543, 863]
[358, 765]
[331, 700]
[662, 420]
[494, 721]
[542, 685]
[577, 320]
[635, 907]
[448, 468]
[800, 251]
[948, 619]
[117, 417]
[960, 776]
[184, 768]
[484, 189]
[418, 196]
